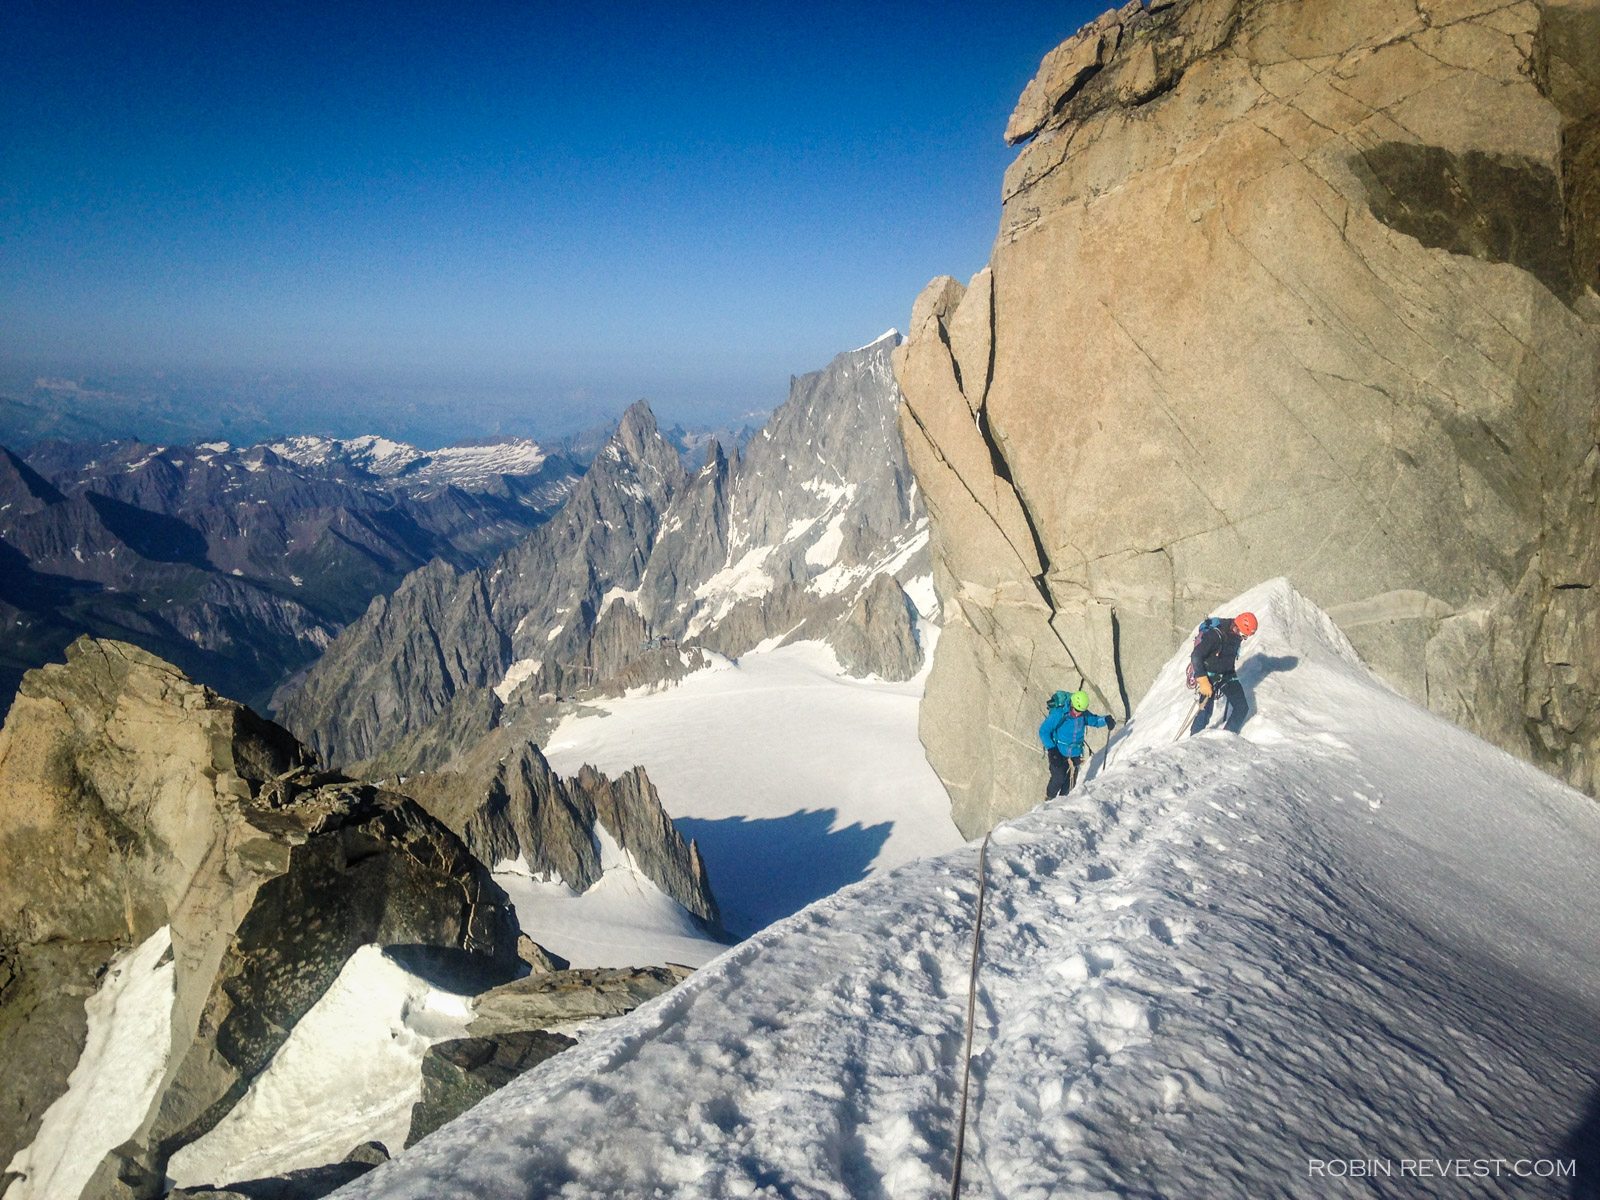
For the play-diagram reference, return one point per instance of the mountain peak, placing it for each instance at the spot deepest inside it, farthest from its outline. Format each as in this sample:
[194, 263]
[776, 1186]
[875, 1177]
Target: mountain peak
[892, 336]
[22, 488]
[638, 419]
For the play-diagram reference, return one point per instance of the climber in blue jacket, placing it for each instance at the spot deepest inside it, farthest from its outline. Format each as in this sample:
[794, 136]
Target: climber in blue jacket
[1062, 735]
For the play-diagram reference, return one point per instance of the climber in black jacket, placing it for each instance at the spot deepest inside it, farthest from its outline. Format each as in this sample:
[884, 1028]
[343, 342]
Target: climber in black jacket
[1214, 663]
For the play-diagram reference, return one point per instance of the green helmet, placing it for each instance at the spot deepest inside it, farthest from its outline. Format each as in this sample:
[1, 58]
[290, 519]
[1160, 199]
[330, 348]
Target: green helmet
[1080, 701]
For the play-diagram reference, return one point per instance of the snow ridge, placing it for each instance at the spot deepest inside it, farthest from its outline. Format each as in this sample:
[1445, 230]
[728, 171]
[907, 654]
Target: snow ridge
[1354, 932]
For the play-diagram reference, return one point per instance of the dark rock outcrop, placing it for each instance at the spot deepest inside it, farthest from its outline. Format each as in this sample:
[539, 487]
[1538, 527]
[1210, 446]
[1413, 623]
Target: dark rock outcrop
[132, 799]
[459, 1073]
[518, 807]
[1280, 288]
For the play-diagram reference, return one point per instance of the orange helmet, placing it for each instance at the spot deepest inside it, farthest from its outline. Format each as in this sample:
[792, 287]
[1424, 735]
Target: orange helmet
[1245, 623]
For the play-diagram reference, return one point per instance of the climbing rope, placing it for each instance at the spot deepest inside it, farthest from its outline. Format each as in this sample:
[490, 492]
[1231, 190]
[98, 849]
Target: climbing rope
[972, 1004]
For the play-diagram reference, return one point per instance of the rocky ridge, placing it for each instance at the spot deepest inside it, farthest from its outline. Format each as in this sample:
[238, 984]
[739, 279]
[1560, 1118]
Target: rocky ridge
[133, 800]
[142, 814]
[508, 805]
[1280, 288]
[647, 569]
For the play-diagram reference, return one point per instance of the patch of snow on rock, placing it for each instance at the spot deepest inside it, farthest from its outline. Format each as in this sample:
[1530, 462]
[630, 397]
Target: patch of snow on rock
[742, 580]
[516, 675]
[920, 592]
[116, 1079]
[825, 550]
[349, 1072]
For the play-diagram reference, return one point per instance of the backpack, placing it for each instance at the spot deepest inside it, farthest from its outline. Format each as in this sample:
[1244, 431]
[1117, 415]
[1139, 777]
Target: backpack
[1206, 627]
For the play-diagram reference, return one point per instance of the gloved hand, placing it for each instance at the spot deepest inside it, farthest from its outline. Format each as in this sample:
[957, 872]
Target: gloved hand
[1111, 724]
[1202, 684]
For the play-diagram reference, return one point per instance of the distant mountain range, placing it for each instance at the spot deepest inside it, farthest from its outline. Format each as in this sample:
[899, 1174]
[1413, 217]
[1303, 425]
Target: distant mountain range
[241, 564]
[814, 531]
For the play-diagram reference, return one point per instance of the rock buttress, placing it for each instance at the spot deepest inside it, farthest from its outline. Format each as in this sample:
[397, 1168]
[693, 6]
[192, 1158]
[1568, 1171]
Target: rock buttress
[1281, 287]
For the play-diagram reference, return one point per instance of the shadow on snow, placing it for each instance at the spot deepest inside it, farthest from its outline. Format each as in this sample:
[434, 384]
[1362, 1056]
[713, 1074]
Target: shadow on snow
[766, 868]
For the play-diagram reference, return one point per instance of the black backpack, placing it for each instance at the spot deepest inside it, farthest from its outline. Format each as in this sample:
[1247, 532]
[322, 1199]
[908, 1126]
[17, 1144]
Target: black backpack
[1206, 626]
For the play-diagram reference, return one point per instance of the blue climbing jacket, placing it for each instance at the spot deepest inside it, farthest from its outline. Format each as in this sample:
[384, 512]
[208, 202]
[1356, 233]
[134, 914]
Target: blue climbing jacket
[1064, 732]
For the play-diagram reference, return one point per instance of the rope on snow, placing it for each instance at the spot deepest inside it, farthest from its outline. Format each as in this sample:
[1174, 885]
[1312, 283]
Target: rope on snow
[972, 1003]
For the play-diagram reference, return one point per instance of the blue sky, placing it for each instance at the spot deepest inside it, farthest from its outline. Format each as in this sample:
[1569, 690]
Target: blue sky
[561, 206]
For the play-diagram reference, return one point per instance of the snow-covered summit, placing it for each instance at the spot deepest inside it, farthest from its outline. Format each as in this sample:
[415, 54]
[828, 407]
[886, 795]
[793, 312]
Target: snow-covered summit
[1354, 941]
[470, 466]
[376, 455]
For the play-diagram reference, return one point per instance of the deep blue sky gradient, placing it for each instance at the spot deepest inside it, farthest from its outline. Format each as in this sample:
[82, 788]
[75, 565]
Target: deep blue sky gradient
[562, 205]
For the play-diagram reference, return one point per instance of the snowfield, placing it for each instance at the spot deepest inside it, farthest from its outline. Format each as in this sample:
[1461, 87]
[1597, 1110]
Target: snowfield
[623, 920]
[794, 777]
[1354, 941]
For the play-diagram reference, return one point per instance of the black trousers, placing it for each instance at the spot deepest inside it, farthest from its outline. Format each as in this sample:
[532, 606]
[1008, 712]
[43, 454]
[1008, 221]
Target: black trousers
[1063, 773]
[1232, 691]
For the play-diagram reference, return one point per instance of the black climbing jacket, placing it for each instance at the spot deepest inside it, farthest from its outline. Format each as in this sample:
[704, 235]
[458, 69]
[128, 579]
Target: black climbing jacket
[1216, 652]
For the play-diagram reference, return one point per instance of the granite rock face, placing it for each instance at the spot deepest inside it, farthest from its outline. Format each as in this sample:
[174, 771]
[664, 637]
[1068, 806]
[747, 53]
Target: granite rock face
[646, 568]
[1281, 287]
[132, 799]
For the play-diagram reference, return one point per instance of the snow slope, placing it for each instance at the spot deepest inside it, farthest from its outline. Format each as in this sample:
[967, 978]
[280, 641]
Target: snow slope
[1223, 967]
[622, 920]
[110, 1090]
[350, 1072]
[795, 778]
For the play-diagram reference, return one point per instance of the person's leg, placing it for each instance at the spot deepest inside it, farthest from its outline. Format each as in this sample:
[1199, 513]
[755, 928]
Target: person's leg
[1074, 768]
[1058, 774]
[1238, 705]
[1202, 717]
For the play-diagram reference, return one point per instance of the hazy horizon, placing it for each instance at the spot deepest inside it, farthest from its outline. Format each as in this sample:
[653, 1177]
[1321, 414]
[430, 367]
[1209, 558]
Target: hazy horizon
[507, 216]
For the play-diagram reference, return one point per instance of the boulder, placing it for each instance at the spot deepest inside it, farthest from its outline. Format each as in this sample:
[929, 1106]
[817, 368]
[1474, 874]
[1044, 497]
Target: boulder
[1280, 288]
[509, 1034]
[562, 997]
[540, 961]
[459, 1073]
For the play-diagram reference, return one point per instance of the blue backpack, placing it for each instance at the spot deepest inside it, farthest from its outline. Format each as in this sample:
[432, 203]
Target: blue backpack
[1206, 626]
